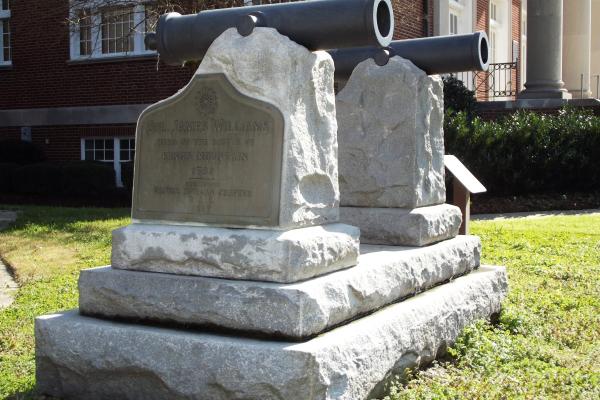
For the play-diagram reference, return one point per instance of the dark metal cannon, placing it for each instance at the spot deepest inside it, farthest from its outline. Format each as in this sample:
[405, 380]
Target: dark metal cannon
[317, 25]
[434, 55]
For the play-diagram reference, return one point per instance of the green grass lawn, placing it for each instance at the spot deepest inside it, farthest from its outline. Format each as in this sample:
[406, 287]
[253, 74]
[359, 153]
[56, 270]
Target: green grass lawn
[546, 344]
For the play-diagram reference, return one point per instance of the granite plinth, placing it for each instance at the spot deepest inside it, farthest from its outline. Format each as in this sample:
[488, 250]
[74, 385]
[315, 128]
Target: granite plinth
[82, 357]
[402, 226]
[248, 254]
[384, 274]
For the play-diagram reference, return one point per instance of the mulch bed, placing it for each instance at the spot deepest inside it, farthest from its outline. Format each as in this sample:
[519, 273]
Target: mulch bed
[487, 204]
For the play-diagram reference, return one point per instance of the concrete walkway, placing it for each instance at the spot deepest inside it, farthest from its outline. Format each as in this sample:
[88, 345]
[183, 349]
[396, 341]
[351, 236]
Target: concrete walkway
[534, 214]
[8, 286]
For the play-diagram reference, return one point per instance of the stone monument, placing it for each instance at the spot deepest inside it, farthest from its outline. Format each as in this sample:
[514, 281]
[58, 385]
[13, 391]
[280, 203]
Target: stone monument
[235, 279]
[392, 155]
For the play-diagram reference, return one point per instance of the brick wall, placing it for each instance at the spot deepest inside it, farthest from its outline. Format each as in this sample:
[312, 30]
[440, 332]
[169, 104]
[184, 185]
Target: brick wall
[410, 19]
[61, 143]
[42, 75]
[516, 36]
[483, 15]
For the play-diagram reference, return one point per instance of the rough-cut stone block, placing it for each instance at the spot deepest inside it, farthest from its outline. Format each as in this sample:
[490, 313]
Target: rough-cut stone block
[384, 275]
[253, 254]
[81, 357]
[270, 67]
[391, 141]
[404, 227]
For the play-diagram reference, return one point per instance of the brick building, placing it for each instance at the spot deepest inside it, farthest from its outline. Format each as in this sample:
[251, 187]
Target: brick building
[78, 98]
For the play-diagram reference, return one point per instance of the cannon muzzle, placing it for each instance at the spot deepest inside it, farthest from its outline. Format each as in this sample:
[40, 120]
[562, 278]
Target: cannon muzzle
[317, 25]
[434, 55]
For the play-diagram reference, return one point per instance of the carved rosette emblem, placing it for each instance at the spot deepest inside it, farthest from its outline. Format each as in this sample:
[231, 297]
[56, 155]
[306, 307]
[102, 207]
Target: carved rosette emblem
[206, 101]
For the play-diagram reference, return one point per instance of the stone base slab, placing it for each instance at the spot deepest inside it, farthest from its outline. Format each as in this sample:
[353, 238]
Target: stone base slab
[403, 226]
[82, 357]
[383, 275]
[248, 254]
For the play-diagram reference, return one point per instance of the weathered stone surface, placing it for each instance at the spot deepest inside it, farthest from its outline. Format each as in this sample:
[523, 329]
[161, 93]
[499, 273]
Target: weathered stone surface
[209, 155]
[402, 226]
[254, 254]
[268, 66]
[391, 142]
[81, 357]
[383, 275]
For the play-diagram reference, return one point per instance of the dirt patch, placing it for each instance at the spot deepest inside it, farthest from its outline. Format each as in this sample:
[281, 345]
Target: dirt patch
[8, 286]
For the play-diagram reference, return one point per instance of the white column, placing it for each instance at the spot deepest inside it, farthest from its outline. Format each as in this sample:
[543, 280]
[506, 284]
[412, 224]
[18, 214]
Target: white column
[544, 51]
[441, 18]
[577, 41]
[595, 52]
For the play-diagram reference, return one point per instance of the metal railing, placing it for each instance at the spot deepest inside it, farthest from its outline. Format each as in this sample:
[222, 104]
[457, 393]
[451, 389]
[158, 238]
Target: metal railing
[499, 81]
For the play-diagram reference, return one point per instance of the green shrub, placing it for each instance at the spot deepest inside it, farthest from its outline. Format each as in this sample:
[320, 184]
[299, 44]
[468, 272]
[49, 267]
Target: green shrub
[70, 179]
[457, 97]
[7, 173]
[19, 152]
[38, 179]
[127, 175]
[528, 152]
[87, 178]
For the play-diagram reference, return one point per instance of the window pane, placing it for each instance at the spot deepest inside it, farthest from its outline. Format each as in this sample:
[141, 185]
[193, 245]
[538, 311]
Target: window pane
[85, 32]
[109, 144]
[6, 49]
[124, 155]
[150, 21]
[99, 144]
[89, 155]
[89, 144]
[99, 155]
[6, 4]
[132, 155]
[117, 26]
[109, 155]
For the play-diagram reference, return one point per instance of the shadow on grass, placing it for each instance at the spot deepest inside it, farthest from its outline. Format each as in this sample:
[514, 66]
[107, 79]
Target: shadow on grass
[29, 395]
[66, 219]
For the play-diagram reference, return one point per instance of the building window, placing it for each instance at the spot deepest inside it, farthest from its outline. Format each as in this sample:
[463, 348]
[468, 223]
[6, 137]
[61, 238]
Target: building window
[99, 150]
[115, 150]
[127, 150]
[493, 12]
[5, 46]
[453, 24]
[117, 30]
[150, 21]
[111, 31]
[85, 32]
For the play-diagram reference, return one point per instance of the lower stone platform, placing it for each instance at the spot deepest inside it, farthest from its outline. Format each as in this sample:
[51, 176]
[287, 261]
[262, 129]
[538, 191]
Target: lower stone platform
[384, 274]
[403, 226]
[248, 254]
[81, 357]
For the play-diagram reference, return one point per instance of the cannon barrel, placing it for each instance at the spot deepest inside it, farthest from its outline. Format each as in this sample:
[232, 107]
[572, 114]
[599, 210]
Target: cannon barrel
[317, 25]
[434, 55]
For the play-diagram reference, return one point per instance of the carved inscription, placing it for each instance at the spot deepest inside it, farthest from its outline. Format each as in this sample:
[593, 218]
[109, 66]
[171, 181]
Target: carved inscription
[210, 155]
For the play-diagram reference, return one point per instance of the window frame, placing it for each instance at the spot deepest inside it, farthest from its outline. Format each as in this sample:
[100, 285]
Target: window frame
[139, 28]
[455, 14]
[453, 30]
[116, 161]
[5, 15]
[494, 17]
